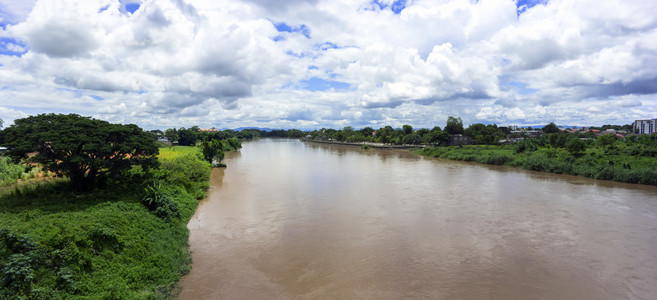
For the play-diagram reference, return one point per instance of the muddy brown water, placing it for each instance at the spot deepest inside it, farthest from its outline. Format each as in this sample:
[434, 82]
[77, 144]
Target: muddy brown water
[293, 220]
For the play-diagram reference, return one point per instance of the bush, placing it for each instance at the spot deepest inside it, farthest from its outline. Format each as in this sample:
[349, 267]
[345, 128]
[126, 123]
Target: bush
[575, 145]
[525, 146]
[189, 171]
[234, 143]
[160, 202]
[495, 159]
[10, 172]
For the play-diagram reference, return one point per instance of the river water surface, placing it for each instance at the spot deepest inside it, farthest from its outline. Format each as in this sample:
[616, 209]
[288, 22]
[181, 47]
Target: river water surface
[293, 220]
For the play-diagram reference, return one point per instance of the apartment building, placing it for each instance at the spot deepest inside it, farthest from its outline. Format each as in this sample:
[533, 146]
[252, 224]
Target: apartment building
[645, 126]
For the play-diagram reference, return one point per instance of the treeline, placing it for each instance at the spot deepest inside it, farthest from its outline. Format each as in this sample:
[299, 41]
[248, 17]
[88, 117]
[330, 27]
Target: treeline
[477, 134]
[193, 135]
[407, 135]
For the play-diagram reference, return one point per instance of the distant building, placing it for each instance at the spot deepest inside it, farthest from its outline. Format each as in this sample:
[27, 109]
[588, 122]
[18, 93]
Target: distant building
[208, 130]
[645, 126]
[459, 139]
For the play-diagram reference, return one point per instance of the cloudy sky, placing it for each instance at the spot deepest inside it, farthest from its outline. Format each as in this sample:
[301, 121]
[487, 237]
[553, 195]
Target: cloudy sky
[330, 63]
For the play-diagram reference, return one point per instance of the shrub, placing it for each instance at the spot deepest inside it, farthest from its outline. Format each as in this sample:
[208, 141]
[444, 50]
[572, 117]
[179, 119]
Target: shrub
[234, 143]
[102, 238]
[575, 145]
[160, 202]
[525, 146]
[189, 171]
[495, 159]
[9, 171]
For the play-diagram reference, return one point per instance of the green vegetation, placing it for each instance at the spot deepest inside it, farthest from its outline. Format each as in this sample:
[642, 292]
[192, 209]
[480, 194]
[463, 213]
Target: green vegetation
[192, 136]
[176, 151]
[10, 172]
[125, 239]
[122, 241]
[81, 148]
[454, 125]
[630, 160]
[406, 135]
[213, 149]
[386, 135]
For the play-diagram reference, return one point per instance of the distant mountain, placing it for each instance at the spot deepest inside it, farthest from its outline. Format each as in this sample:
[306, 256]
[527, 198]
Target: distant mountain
[258, 128]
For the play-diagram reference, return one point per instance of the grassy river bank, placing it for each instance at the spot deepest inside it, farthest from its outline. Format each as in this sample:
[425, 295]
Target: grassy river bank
[121, 241]
[631, 161]
[622, 164]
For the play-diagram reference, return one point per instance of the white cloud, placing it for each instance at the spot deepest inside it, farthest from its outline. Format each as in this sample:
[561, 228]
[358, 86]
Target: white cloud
[224, 64]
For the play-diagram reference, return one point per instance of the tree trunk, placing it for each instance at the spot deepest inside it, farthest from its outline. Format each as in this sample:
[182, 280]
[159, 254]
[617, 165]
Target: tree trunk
[82, 182]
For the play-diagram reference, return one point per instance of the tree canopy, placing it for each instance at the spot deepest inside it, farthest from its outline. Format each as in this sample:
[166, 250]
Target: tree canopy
[454, 125]
[551, 128]
[484, 134]
[188, 137]
[82, 148]
[212, 150]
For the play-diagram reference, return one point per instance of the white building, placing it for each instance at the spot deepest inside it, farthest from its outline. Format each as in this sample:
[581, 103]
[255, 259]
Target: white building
[645, 126]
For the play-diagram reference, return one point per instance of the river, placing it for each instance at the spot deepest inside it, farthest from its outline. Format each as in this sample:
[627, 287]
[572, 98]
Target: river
[293, 220]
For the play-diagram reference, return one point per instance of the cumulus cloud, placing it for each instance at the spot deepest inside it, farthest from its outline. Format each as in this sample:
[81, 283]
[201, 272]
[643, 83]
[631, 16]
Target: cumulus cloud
[319, 63]
[12, 12]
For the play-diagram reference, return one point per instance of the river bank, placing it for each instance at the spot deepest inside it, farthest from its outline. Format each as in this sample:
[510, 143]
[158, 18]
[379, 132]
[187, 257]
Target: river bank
[596, 163]
[364, 144]
[593, 163]
[117, 242]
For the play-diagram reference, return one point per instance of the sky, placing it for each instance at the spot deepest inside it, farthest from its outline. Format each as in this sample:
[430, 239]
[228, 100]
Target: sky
[313, 64]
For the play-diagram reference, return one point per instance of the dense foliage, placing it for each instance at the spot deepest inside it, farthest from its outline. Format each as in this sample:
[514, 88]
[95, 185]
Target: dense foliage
[212, 151]
[124, 241]
[81, 148]
[11, 172]
[454, 125]
[630, 160]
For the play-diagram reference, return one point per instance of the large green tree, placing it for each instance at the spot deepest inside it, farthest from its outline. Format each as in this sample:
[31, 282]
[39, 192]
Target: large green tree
[171, 134]
[82, 148]
[408, 129]
[606, 140]
[484, 134]
[454, 126]
[188, 137]
[551, 128]
[212, 150]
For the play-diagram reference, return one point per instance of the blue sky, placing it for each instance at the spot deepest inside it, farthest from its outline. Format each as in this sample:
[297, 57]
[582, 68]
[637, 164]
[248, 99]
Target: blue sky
[524, 5]
[396, 6]
[320, 63]
[300, 29]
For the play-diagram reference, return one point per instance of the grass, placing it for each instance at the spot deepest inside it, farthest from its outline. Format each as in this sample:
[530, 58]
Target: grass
[175, 151]
[108, 244]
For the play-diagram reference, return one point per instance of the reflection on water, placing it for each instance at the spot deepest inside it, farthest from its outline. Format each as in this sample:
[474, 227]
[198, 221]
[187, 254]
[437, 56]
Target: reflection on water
[291, 220]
